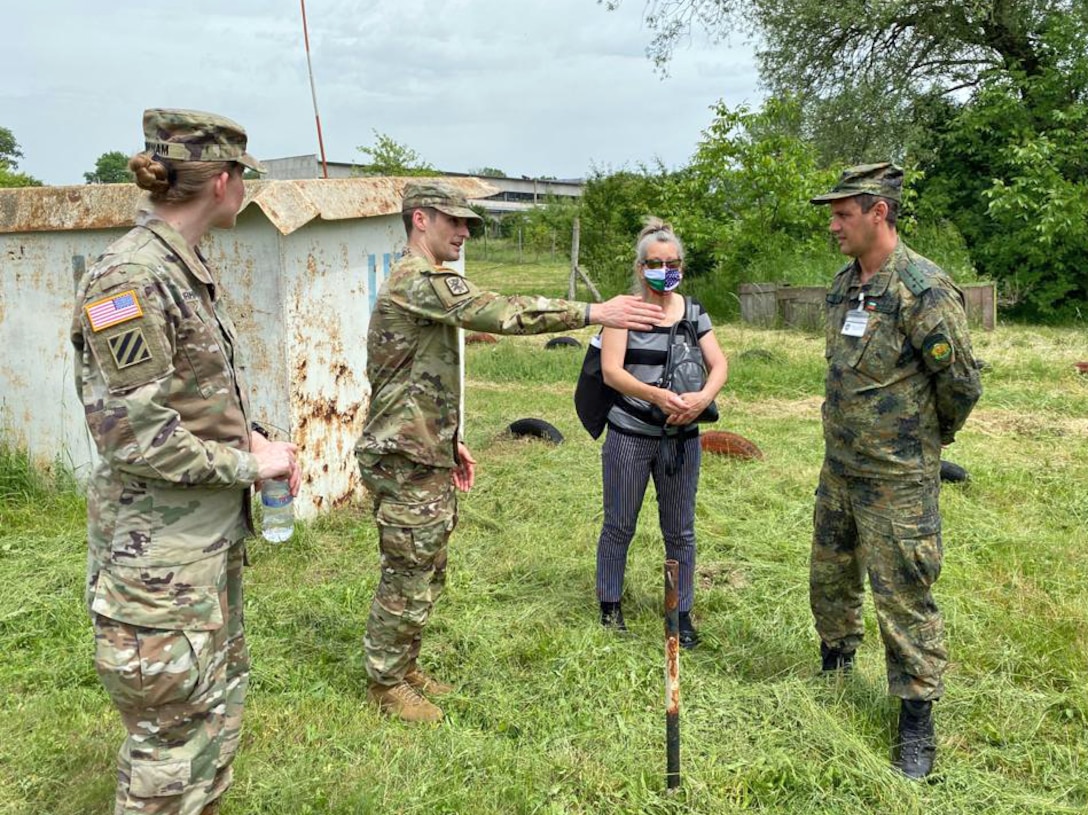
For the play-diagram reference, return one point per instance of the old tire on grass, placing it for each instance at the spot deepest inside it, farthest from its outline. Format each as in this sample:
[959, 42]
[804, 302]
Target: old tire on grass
[535, 429]
[562, 342]
[953, 473]
[724, 443]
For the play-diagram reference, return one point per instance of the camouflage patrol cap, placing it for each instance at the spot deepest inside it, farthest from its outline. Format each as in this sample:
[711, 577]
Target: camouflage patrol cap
[441, 198]
[193, 135]
[884, 179]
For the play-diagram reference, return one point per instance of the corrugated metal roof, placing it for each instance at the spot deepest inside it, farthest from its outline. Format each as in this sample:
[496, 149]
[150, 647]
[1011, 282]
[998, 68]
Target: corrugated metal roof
[287, 204]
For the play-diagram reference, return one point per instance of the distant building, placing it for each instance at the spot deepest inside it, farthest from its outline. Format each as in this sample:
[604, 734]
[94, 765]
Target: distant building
[515, 194]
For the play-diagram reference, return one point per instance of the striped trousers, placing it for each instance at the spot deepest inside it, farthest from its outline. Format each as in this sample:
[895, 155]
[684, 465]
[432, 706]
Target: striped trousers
[627, 463]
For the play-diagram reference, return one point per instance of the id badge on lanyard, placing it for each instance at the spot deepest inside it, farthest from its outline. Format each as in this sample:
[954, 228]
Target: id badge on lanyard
[857, 319]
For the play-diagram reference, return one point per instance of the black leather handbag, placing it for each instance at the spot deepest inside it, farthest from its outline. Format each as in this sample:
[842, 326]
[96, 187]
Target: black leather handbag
[685, 370]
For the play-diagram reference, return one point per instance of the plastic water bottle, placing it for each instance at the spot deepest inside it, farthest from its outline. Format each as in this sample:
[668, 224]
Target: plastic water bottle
[278, 515]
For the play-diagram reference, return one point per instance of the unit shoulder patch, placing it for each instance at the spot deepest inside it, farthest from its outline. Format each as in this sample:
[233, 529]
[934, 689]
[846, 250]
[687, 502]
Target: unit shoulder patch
[939, 350]
[451, 289]
[129, 348]
[132, 354]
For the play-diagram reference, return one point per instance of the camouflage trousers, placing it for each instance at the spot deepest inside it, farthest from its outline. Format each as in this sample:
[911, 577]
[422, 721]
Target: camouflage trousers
[890, 531]
[416, 510]
[180, 695]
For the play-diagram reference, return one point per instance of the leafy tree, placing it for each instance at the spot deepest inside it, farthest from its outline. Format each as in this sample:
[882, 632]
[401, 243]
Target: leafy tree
[1014, 179]
[389, 157]
[9, 152]
[811, 45]
[860, 67]
[988, 99]
[545, 227]
[111, 168]
[747, 188]
[10, 178]
[490, 172]
[9, 149]
[612, 209]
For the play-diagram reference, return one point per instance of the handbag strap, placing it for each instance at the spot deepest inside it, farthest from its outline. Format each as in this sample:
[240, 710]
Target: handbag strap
[663, 381]
[688, 323]
[688, 326]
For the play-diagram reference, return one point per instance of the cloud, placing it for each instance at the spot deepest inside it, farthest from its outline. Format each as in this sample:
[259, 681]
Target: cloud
[539, 87]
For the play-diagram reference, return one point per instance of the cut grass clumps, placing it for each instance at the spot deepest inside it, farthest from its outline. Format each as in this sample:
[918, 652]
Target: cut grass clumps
[554, 714]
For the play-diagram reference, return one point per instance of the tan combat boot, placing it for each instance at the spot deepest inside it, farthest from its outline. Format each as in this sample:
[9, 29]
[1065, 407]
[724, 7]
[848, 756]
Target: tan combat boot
[426, 684]
[403, 701]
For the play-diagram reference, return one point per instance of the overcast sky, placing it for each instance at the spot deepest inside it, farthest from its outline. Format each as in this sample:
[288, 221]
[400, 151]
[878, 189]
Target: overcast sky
[532, 87]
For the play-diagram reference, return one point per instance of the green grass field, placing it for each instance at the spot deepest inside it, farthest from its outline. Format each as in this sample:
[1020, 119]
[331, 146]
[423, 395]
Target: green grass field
[555, 715]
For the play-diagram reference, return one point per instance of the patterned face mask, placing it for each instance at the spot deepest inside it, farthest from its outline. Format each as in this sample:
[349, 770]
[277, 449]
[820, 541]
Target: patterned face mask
[663, 279]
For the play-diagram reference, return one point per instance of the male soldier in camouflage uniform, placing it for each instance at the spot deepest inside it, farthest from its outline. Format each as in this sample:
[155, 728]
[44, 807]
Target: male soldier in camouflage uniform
[410, 453]
[901, 381]
[168, 500]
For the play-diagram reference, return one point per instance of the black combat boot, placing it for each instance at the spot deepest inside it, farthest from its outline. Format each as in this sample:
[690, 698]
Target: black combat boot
[917, 745]
[689, 637]
[612, 616]
[834, 659]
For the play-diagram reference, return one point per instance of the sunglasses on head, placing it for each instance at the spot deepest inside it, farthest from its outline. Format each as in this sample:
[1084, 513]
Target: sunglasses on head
[670, 265]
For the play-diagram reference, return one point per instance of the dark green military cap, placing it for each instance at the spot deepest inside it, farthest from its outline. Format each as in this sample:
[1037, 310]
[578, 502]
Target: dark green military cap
[193, 135]
[441, 198]
[884, 179]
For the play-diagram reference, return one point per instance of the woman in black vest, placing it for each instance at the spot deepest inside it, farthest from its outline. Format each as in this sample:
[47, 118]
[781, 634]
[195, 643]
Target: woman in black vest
[639, 445]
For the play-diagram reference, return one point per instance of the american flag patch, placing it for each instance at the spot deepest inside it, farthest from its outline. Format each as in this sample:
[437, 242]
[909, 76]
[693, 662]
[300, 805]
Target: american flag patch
[113, 310]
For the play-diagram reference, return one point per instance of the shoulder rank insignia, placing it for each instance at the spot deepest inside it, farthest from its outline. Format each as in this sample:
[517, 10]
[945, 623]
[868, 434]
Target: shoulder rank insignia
[112, 310]
[915, 279]
[456, 285]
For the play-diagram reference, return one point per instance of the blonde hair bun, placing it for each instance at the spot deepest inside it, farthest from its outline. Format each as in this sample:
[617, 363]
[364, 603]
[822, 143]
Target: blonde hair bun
[654, 224]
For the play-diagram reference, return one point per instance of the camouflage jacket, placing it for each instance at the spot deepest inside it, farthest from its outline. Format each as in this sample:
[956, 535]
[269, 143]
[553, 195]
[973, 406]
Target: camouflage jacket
[898, 392]
[155, 368]
[413, 354]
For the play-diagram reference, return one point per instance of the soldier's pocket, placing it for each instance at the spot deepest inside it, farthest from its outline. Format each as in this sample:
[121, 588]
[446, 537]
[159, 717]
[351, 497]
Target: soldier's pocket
[204, 355]
[920, 548]
[874, 355]
[149, 667]
[412, 533]
[161, 778]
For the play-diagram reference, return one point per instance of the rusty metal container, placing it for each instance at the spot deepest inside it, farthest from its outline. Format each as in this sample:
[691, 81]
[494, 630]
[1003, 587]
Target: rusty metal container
[300, 271]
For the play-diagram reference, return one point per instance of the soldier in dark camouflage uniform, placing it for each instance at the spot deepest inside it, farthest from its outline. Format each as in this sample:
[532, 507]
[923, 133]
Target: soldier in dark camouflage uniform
[411, 454]
[168, 500]
[901, 381]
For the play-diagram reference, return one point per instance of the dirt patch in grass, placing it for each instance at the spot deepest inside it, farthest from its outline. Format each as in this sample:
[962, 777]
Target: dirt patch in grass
[807, 408]
[720, 575]
[996, 422]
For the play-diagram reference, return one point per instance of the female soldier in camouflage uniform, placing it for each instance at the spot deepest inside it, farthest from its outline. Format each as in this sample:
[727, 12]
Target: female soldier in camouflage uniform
[168, 501]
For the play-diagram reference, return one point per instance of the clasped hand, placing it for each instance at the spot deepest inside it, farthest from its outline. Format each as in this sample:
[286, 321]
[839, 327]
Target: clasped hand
[682, 408]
